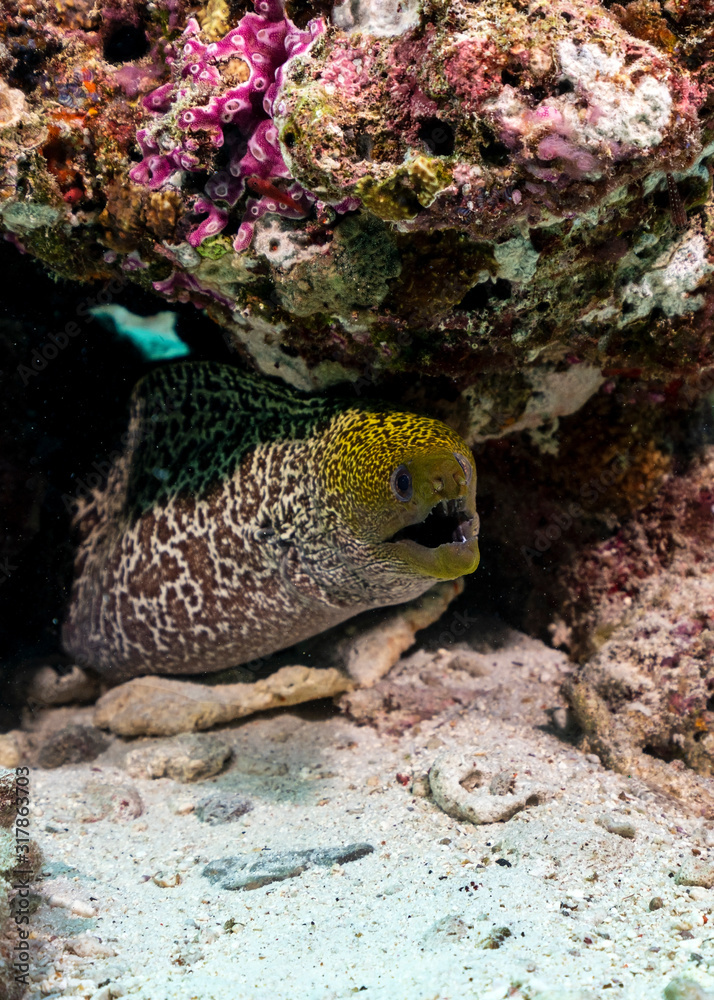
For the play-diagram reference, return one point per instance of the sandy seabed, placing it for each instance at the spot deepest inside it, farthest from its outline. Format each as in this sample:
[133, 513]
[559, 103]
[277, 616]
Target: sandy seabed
[579, 896]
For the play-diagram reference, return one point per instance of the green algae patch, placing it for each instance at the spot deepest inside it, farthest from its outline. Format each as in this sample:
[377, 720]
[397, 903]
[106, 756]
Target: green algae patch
[411, 187]
[355, 274]
[215, 247]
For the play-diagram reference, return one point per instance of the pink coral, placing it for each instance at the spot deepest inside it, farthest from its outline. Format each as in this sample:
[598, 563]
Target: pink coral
[183, 287]
[262, 43]
[214, 223]
[346, 73]
[576, 161]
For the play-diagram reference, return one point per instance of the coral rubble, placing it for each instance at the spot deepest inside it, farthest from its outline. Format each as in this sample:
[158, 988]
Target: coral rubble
[456, 190]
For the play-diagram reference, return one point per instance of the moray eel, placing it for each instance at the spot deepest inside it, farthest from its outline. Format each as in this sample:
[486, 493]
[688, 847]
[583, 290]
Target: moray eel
[244, 516]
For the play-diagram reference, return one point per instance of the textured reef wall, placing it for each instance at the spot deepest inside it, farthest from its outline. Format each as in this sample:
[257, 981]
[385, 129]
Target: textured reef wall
[515, 197]
[641, 604]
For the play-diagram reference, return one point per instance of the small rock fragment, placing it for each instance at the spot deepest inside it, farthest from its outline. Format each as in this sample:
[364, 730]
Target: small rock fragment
[446, 929]
[190, 757]
[617, 825]
[86, 946]
[250, 872]
[465, 791]
[686, 989]
[696, 872]
[468, 660]
[656, 903]
[165, 880]
[560, 719]
[9, 750]
[227, 808]
[698, 894]
[76, 906]
[107, 799]
[51, 686]
[72, 745]
[496, 938]
[420, 786]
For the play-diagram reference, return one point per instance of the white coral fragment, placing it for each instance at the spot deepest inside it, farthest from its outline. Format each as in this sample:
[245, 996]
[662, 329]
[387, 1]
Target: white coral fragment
[468, 791]
[377, 17]
[12, 105]
[668, 286]
[622, 112]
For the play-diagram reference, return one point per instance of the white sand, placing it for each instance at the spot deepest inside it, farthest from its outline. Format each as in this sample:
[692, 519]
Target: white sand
[399, 923]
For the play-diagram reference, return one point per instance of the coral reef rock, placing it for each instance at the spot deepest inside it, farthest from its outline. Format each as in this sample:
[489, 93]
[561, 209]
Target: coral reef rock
[640, 605]
[183, 758]
[513, 196]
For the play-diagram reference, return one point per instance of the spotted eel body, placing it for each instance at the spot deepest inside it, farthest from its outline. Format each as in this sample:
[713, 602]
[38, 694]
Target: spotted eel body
[244, 516]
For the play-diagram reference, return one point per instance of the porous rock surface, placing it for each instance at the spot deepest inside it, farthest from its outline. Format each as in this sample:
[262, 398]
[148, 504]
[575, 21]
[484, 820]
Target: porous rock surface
[639, 608]
[464, 789]
[189, 757]
[515, 196]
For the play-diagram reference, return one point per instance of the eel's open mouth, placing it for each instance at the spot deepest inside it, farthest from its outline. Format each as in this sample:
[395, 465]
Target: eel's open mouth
[446, 523]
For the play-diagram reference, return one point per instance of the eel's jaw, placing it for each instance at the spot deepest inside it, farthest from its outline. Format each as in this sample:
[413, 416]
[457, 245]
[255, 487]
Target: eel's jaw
[444, 545]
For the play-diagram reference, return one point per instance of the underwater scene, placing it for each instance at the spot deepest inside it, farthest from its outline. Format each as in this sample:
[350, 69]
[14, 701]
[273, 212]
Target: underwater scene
[357, 499]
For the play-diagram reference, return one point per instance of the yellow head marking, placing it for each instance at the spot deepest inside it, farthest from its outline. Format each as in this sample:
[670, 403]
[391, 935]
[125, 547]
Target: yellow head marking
[365, 447]
[385, 472]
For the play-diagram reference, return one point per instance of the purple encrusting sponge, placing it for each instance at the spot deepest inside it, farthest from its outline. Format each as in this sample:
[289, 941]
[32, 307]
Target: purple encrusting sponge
[262, 42]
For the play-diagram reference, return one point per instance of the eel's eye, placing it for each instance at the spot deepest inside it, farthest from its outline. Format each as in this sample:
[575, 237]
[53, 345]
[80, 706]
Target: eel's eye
[401, 483]
[465, 465]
